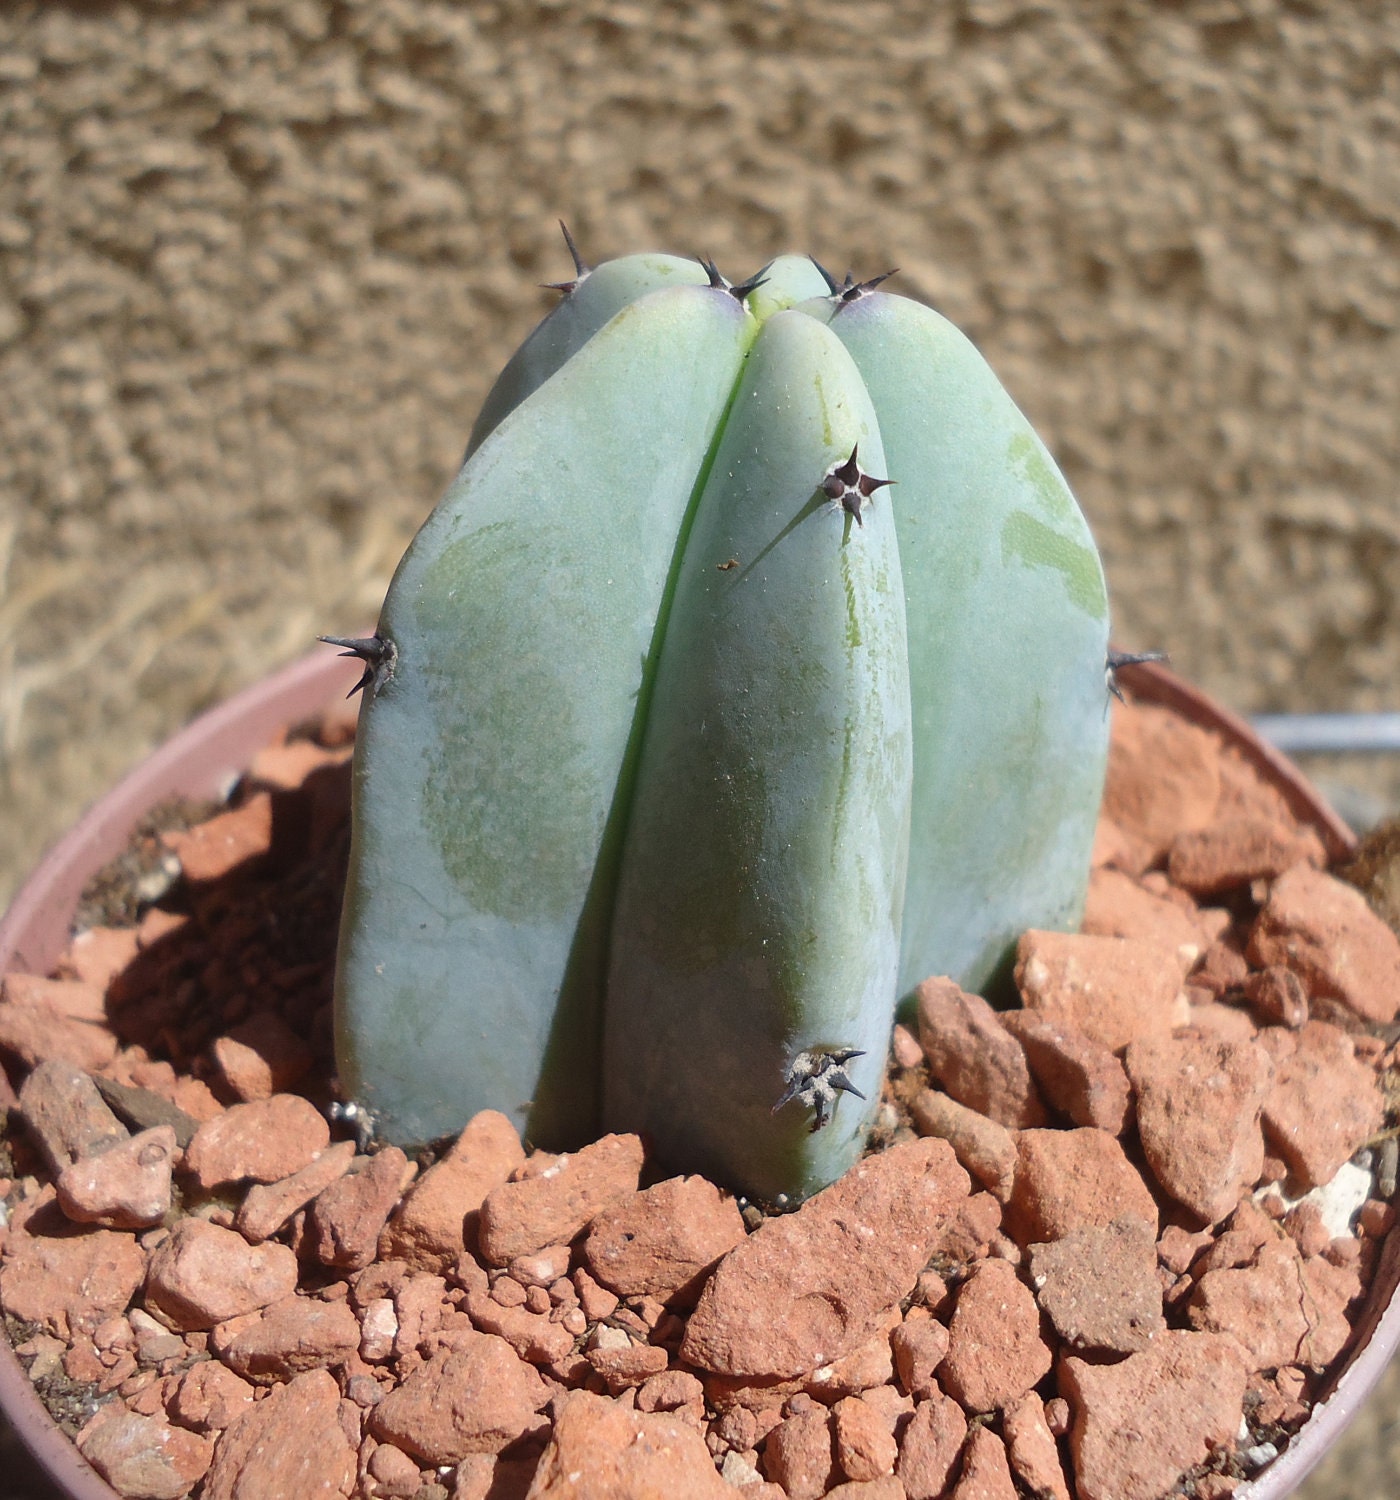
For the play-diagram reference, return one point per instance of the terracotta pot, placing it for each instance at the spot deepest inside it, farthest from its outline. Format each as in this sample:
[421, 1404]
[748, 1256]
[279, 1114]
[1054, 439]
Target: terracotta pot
[203, 760]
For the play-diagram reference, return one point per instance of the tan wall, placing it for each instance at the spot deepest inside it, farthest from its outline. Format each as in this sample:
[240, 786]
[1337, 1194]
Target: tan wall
[259, 262]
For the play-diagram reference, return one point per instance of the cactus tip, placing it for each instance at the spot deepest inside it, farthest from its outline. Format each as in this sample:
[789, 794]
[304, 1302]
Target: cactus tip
[1118, 659]
[816, 1078]
[581, 266]
[850, 487]
[378, 653]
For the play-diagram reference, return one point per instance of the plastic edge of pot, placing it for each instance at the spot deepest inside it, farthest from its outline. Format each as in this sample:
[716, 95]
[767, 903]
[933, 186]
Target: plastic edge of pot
[203, 760]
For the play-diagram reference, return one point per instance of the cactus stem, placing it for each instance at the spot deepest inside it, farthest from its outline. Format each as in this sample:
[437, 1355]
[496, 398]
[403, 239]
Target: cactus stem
[581, 266]
[1118, 659]
[816, 1078]
[850, 487]
[378, 653]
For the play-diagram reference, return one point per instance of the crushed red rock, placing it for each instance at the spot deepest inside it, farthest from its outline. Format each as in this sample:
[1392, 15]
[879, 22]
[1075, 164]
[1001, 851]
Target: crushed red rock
[257, 1308]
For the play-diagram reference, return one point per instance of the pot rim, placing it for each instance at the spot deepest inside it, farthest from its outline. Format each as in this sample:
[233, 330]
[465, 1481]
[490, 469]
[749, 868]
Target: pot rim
[204, 759]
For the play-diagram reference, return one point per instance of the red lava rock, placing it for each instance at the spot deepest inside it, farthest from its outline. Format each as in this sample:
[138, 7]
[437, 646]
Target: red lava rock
[995, 1352]
[1075, 1179]
[1032, 1450]
[286, 1338]
[544, 1268]
[1315, 1142]
[554, 1205]
[805, 1288]
[1099, 1288]
[261, 1056]
[203, 1275]
[144, 1456]
[1178, 1247]
[1141, 1423]
[394, 1472]
[478, 1397]
[986, 1474]
[1198, 1105]
[70, 999]
[1119, 906]
[885, 1488]
[967, 1233]
[929, 1447]
[287, 765]
[908, 1052]
[344, 1223]
[628, 1365]
[437, 1219]
[865, 1446]
[418, 1310]
[98, 954]
[868, 1365]
[533, 1336]
[69, 1279]
[800, 1455]
[38, 1022]
[209, 1396]
[986, 1149]
[1077, 1075]
[213, 848]
[289, 1443]
[266, 1208]
[596, 1301]
[973, 1056]
[668, 1390]
[1113, 990]
[1234, 851]
[265, 1140]
[601, 1450]
[1323, 930]
[1278, 996]
[66, 1115]
[126, 1187]
[1277, 1307]
[1222, 969]
[919, 1345]
[1163, 775]
[1220, 1023]
[663, 1242]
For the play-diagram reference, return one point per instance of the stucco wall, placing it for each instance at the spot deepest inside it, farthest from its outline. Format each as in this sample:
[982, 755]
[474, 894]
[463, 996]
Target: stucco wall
[259, 262]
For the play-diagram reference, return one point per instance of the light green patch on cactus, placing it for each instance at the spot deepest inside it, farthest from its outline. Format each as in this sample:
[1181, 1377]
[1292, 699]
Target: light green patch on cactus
[1026, 453]
[1040, 546]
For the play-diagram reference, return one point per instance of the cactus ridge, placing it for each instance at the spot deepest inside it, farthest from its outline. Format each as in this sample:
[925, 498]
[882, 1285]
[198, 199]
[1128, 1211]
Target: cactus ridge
[659, 697]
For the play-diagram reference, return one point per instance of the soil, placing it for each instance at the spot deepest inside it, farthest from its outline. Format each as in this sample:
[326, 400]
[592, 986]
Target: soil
[1086, 1240]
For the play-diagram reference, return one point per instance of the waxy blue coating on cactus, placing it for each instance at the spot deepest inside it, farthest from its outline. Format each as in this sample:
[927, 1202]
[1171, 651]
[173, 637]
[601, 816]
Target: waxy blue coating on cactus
[609, 777]
[758, 911]
[596, 297]
[489, 768]
[1008, 633]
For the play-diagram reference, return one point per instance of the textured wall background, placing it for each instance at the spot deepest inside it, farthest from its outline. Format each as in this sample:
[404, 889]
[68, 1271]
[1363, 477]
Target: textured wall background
[258, 263]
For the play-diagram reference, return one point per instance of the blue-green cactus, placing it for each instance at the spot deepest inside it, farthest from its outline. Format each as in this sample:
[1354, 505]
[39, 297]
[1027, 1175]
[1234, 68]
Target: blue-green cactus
[749, 602]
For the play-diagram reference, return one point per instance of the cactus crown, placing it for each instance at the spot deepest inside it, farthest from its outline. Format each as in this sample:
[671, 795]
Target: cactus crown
[751, 670]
